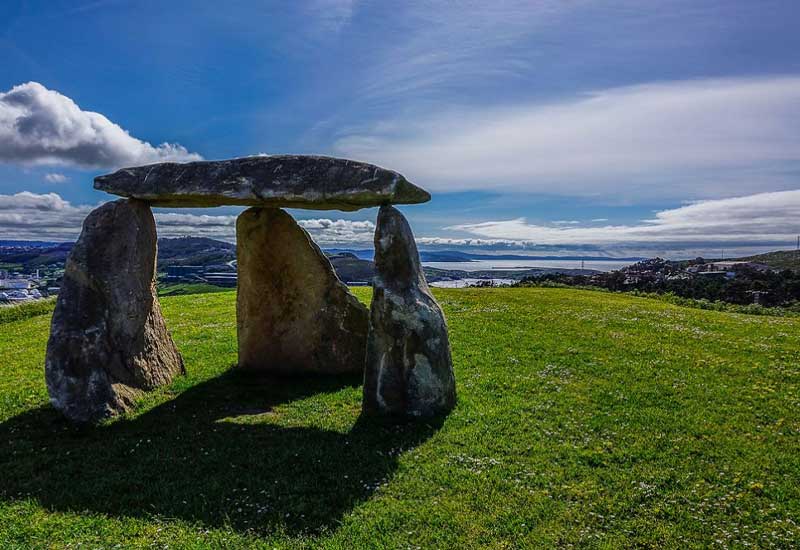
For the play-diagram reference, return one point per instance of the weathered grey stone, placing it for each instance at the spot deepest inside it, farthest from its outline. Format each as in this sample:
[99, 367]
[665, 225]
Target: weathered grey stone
[108, 340]
[292, 181]
[409, 371]
[294, 315]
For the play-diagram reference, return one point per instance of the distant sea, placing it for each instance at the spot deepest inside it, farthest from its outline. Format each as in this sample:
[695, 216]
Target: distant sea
[463, 283]
[509, 265]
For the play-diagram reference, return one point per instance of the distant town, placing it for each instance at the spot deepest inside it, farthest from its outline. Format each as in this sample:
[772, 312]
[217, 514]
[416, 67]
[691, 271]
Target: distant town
[771, 279]
[15, 287]
[30, 271]
[33, 270]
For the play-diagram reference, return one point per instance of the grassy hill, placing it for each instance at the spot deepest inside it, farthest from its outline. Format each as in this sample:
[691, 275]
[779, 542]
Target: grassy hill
[584, 420]
[194, 251]
[781, 259]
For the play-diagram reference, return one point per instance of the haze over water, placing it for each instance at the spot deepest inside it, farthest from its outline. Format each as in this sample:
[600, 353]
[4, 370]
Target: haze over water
[509, 265]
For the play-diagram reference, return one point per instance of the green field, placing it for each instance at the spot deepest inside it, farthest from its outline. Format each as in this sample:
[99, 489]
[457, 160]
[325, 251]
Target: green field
[182, 289]
[584, 419]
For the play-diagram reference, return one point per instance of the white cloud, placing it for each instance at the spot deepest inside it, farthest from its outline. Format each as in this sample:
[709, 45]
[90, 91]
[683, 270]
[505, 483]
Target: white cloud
[333, 15]
[333, 232]
[471, 242]
[26, 200]
[733, 136]
[764, 217]
[757, 220]
[55, 177]
[31, 216]
[41, 126]
[441, 46]
[174, 224]
[325, 232]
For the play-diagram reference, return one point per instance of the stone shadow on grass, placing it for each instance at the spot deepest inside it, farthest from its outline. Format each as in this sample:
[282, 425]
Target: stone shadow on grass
[185, 459]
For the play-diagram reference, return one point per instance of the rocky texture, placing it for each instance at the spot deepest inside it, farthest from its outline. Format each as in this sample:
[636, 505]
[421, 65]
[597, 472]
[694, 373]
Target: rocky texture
[409, 371]
[292, 181]
[108, 340]
[293, 313]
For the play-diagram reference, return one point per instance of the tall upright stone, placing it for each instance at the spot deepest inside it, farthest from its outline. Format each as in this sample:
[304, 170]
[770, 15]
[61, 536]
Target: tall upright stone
[293, 313]
[108, 339]
[409, 370]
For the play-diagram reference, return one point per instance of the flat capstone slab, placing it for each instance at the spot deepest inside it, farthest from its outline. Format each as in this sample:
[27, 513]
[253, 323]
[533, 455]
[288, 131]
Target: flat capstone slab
[286, 181]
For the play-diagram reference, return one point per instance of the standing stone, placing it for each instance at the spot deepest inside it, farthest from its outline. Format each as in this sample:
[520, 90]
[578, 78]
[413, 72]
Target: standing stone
[108, 340]
[409, 371]
[293, 313]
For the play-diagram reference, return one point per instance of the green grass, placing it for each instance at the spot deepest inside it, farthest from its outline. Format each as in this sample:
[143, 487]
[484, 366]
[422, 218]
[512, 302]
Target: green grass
[584, 419]
[780, 259]
[25, 310]
[182, 289]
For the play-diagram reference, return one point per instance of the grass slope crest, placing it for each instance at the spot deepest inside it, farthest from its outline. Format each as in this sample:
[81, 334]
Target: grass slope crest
[585, 419]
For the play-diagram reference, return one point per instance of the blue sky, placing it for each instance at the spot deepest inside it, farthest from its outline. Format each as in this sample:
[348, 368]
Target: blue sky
[547, 126]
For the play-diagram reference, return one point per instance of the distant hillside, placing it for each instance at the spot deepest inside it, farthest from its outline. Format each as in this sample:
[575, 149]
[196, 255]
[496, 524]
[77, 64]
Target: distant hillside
[781, 259]
[459, 256]
[350, 268]
[28, 244]
[34, 255]
[194, 251]
[181, 251]
[352, 265]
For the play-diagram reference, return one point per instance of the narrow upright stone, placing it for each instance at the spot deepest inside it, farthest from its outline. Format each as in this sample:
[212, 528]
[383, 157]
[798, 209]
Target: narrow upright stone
[108, 339]
[293, 313]
[409, 371]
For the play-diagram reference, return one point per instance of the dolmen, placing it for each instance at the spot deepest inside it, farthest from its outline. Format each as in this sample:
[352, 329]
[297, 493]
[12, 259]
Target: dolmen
[109, 342]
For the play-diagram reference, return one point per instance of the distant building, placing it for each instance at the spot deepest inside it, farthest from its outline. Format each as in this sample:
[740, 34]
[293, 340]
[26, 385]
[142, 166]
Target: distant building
[734, 265]
[15, 284]
[683, 276]
[220, 268]
[220, 279]
[183, 271]
[17, 296]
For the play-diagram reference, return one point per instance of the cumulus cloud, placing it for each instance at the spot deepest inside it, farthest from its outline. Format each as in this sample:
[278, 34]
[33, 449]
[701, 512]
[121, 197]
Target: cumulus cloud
[42, 126]
[174, 224]
[24, 201]
[324, 231]
[760, 218]
[735, 136]
[55, 177]
[332, 232]
[33, 216]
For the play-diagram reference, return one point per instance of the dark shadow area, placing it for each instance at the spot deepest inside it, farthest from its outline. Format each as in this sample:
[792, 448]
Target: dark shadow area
[181, 460]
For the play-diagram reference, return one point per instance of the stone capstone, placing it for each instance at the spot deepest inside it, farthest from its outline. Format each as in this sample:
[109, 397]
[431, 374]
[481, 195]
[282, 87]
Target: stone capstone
[292, 181]
[409, 370]
[108, 339]
[293, 313]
